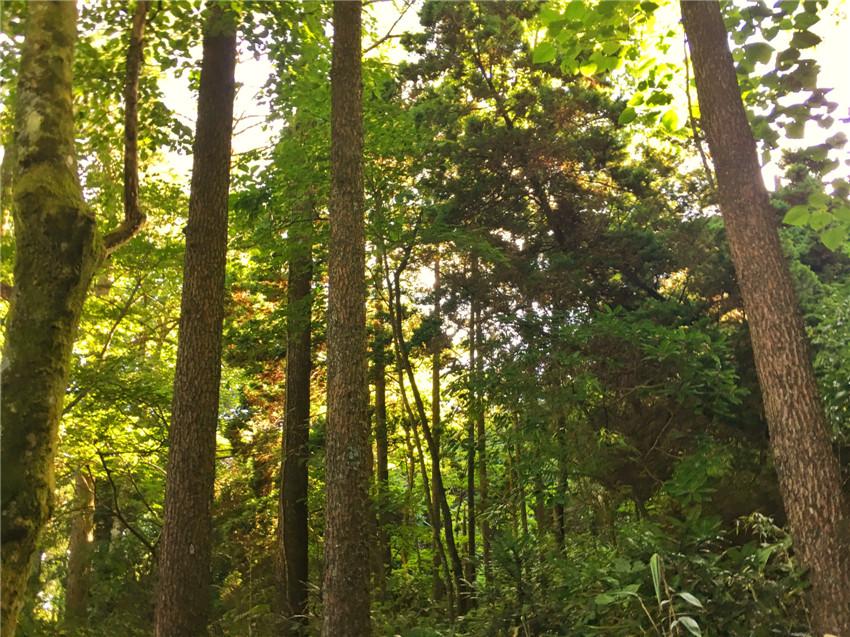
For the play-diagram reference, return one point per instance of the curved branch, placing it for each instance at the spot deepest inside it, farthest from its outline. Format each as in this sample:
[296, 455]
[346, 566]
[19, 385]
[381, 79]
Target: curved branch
[134, 218]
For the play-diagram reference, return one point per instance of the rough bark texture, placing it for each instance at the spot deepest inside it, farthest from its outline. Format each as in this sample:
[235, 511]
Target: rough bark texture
[184, 564]
[293, 494]
[80, 547]
[348, 453]
[807, 468]
[57, 252]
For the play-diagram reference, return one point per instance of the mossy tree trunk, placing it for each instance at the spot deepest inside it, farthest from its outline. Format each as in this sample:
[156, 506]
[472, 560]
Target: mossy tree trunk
[183, 598]
[808, 471]
[58, 251]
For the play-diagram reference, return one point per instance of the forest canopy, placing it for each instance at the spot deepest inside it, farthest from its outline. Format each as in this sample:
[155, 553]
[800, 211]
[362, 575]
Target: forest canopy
[425, 318]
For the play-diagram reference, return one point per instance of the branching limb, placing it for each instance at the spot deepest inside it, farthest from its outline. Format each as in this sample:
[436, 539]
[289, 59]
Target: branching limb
[134, 218]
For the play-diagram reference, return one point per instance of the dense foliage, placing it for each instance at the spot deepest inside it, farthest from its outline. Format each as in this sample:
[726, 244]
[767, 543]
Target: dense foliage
[542, 229]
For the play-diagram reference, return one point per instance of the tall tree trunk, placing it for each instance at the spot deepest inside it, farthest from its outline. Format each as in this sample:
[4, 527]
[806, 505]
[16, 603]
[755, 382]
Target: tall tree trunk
[472, 558]
[483, 481]
[440, 499]
[80, 552]
[348, 455]
[184, 564]
[58, 251]
[293, 493]
[809, 476]
[436, 422]
[382, 474]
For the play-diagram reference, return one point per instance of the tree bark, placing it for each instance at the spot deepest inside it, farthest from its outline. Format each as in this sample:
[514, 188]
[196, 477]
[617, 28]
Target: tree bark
[348, 454]
[58, 251]
[184, 565]
[80, 547]
[807, 468]
[293, 493]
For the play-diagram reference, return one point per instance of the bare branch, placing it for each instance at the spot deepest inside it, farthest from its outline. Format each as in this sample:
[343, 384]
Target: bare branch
[389, 34]
[134, 218]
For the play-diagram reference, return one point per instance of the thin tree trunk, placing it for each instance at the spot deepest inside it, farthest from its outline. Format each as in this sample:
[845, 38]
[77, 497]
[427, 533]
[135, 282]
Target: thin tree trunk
[80, 552]
[184, 564]
[430, 503]
[436, 477]
[472, 558]
[483, 481]
[293, 492]
[382, 473]
[348, 455]
[808, 471]
[436, 423]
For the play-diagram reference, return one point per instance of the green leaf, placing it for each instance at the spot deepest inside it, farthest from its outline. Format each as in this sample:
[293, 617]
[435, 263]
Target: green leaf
[670, 121]
[690, 599]
[818, 199]
[758, 52]
[835, 236]
[587, 69]
[655, 569]
[804, 40]
[795, 130]
[797, 216]
[627, 116]
[543, 53]
[549, 14]
[575, 11]
[820, 219]
[842, 213]
[690, 624]
[603, 599]
[611, 47]
[648, 7]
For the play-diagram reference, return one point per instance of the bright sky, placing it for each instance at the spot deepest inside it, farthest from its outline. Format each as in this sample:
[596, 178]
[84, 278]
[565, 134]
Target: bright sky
[252, 131]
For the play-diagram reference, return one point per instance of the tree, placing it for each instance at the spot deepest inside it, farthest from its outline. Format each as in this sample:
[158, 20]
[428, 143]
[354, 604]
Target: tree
[348, 454]
[59, 249]
[808, 471]
[184, 565]
[293, 493]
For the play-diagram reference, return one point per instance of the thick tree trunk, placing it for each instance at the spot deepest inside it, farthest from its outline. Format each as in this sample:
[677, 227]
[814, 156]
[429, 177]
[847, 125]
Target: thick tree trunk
[184, 564]
[348, 454]
[57, 252]
[80, 547]
[293, 493]
[807, 468]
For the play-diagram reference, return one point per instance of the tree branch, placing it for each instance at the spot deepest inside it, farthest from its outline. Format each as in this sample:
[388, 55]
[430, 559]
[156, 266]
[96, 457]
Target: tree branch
[134, 218]
[117, 509]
